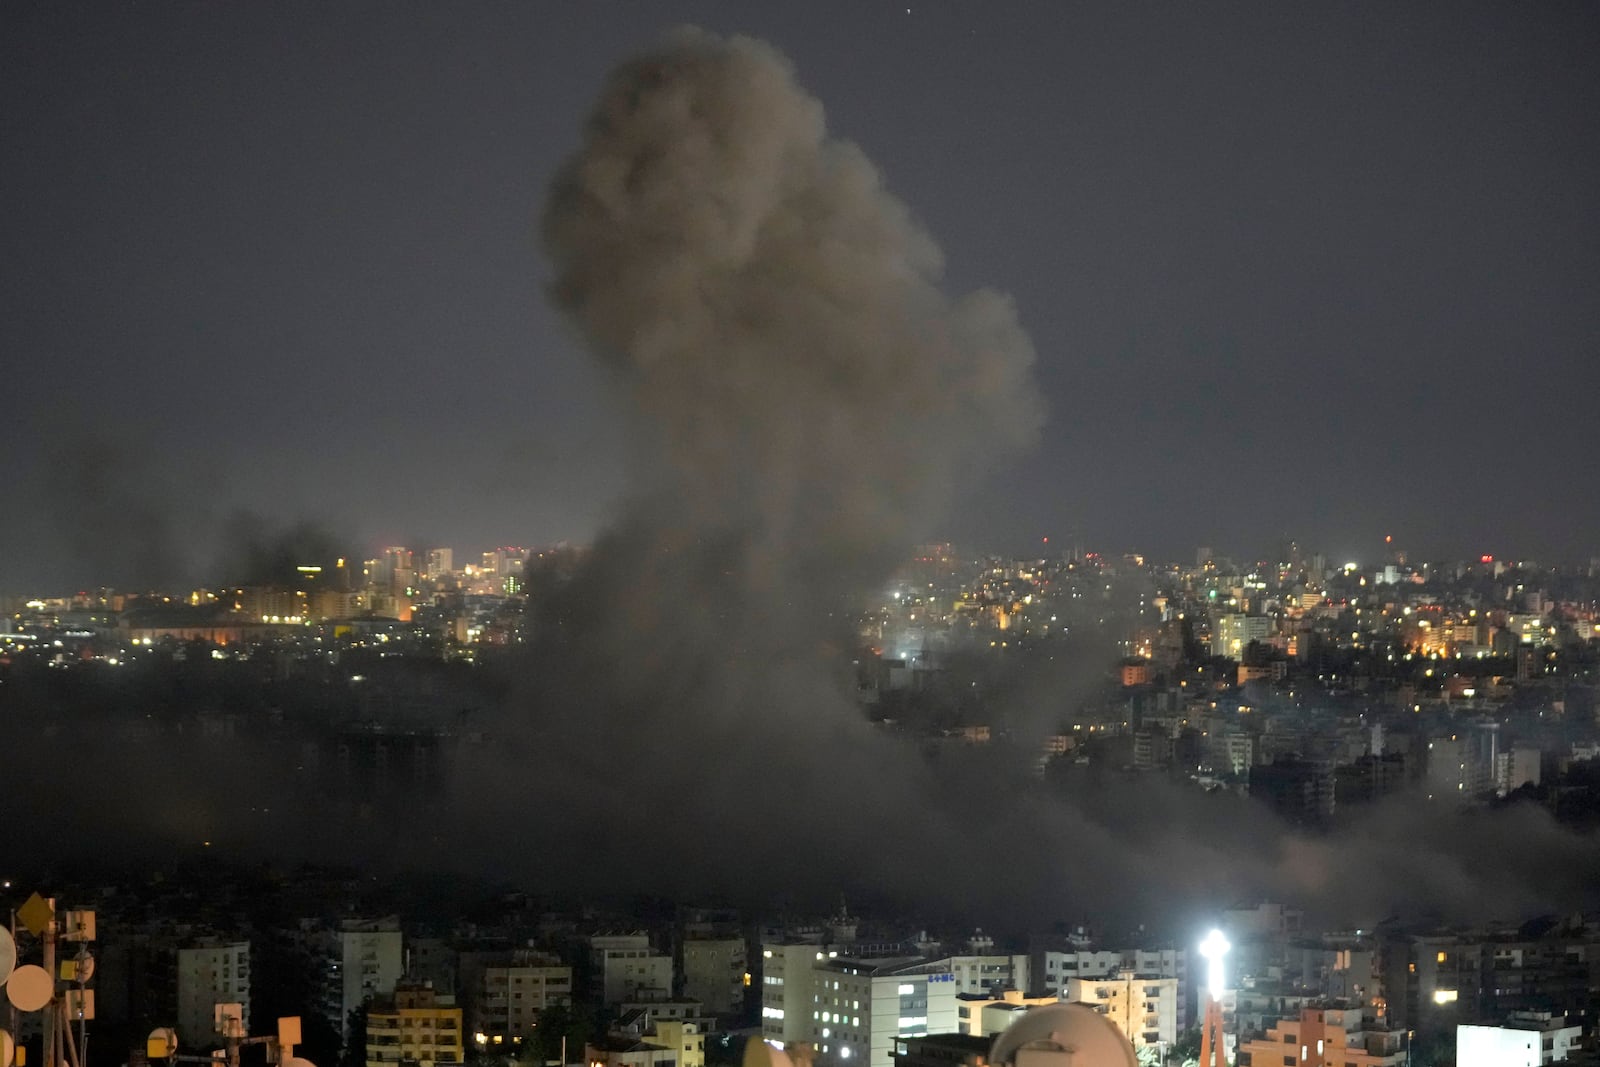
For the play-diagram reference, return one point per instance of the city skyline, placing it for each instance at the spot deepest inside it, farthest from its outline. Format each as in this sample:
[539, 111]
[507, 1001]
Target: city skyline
[1322, 277]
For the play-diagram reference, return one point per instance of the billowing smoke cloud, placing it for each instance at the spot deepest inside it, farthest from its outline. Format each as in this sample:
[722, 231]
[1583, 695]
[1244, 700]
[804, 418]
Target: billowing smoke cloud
[801, 385]
[804, 400]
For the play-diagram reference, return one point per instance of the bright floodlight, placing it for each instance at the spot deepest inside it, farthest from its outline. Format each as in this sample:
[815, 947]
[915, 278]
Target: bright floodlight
[1213, 948]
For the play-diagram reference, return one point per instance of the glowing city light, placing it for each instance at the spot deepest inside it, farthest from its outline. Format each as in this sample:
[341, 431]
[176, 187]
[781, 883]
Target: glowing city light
[1213, 948]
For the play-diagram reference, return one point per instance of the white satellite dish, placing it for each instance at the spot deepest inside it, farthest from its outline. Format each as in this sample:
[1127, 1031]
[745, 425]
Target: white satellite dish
[1062, 1035]
[29, 988]
[8, 961]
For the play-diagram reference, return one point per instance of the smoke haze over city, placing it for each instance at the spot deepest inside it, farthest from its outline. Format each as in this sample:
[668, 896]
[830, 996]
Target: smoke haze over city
[802, 390]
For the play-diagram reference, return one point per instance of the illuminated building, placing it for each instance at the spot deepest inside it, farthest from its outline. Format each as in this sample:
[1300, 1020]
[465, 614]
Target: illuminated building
[862, 1006]
[683, 1038]
[856, 1010]
[1061, 968]
[1526, 1039]
[983, 1015]
[1232, 633]
[1145, 1008]
[1327, 1036]
[786, 992]
[414, 1026]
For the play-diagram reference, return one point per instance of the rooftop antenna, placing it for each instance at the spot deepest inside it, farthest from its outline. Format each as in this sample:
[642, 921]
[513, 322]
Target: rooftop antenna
[162, 1044]
[39, 987]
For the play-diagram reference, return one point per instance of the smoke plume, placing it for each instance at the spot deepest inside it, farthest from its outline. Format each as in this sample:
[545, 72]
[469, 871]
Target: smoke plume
[800, 383]
[804, 399]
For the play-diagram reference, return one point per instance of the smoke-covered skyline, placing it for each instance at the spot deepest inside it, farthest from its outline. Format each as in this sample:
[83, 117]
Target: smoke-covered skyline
[805, 391]
[774, 322]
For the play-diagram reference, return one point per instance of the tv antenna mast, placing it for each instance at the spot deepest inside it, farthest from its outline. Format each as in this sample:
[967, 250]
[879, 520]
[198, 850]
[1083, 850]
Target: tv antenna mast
[57, 988]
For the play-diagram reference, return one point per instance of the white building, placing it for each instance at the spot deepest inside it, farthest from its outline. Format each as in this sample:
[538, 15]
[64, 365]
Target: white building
[786, 989]
[990, 974]
[210, 973]
[1528, 1039]
[626, 968]
[370, 961]
[861, 1006]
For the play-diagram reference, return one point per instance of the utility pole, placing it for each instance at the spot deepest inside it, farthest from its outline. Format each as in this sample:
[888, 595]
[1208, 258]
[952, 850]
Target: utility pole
[50, 1013]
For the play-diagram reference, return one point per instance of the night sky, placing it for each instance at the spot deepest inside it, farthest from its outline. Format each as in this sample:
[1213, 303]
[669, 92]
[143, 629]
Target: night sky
[1312, 271]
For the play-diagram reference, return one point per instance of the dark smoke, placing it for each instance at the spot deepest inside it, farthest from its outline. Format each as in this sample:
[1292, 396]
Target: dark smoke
[805, 402]
[111, 514]
[802, 395]
[256, 550]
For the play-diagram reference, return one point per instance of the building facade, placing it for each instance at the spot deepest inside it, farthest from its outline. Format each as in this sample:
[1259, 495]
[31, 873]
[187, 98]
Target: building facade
[414, 1025]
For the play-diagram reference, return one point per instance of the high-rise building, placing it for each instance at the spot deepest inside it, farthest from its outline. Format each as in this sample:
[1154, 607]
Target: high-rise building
[441, 561]
[714, 973]
[203, 974]
[351, 965]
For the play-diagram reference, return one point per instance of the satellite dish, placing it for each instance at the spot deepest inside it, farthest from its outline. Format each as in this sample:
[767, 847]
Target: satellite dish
[162, 1043]
[296, 1061]
[1062, 1035]
[757, 1053]
[29, 988]
[8, 1049]
[8, 960]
